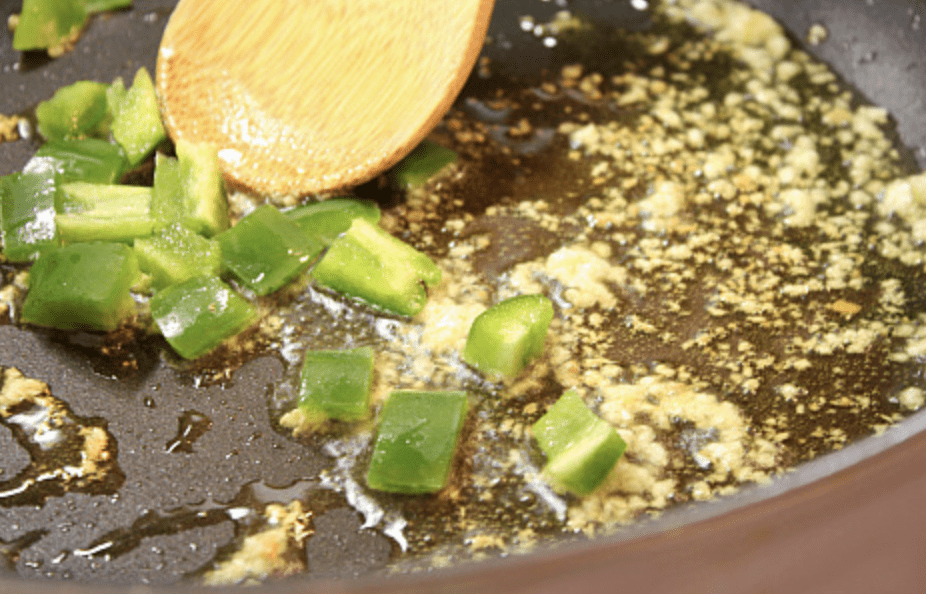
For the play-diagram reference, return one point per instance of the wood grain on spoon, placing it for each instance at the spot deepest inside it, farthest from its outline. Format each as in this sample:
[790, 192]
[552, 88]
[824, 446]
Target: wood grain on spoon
[303, 96]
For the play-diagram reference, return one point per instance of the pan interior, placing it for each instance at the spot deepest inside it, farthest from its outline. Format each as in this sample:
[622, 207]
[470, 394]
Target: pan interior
[744, 339]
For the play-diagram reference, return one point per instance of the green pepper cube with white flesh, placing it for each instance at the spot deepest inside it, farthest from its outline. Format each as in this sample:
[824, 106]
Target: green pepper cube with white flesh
[509, 335]
[581, 448]
[27, 211]
[197, 315]
[337, 383]
[416, 441]
[176, 254]
[103, 212]
[84, 286]
[266, 250]
[369, 264]
[136, 124]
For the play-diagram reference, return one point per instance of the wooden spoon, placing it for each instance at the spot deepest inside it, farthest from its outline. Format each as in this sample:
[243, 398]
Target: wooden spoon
[304, 96]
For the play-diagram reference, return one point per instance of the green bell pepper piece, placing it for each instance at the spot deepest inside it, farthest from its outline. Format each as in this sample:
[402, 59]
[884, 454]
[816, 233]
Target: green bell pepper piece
[205, 207]
[423, 163]
[176, 254]
[197, 315]
[27, 211]
[94, 6]
[115, 97]
[103, 212]
[167, 194]
[327, 219]
[581, 448]
[84, 286]
[189, 190]
[75, 111]
[136, 121]
[509, 335]
[44, 24]
[89, 160]
[418, 434]
[266, 250]
[369, 264]
[337, 383]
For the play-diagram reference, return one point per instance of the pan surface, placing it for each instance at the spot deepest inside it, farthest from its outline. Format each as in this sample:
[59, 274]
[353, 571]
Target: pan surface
[190, 456]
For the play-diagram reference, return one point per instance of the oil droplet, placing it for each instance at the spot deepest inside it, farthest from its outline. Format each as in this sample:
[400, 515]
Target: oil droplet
[10, 550]
[192, 426]
[150, 524]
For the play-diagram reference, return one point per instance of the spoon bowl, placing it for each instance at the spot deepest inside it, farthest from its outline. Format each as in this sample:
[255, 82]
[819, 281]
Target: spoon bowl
[307, 96]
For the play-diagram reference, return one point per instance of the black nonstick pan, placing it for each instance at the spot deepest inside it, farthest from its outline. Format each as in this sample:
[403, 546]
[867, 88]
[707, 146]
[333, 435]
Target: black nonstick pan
[191, 459]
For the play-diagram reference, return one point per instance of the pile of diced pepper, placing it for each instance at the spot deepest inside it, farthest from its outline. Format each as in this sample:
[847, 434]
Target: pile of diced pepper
[96, 244]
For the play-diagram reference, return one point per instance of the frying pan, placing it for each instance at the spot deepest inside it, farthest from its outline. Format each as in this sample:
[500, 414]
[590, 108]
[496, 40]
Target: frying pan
[851, 521]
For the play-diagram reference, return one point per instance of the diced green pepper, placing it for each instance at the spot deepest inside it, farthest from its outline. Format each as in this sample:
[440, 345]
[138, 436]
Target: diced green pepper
[418, 434]
[329, 218]
[581, 448]
[94, 6]
[44, 24]
[199, 314]
[509, 335]
[266, 250]
[337, 383]
[84, 286]
[204, 205]
[167, 200]
[176, 254]
[137, 120]
[115, 97]
[27, 206]
[189, 190]
[423, 163]
[75, 111]
[103, 212]
[369, 264]
[89, 160]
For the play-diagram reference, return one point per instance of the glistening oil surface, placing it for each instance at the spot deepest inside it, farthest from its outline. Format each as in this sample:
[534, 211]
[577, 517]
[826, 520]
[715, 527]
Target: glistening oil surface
[722, 336]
